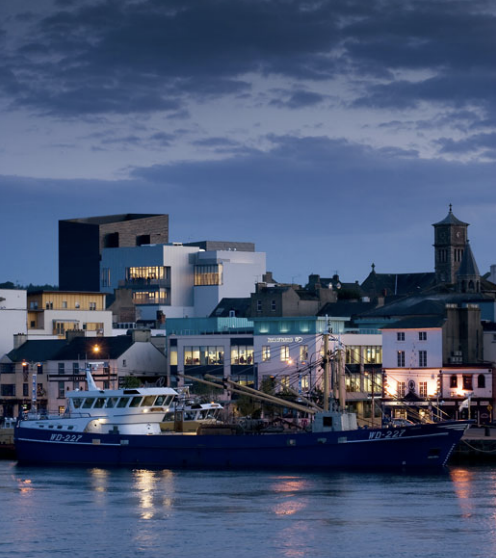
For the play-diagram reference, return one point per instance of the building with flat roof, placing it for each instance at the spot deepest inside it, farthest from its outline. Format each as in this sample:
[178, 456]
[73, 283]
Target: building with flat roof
[81, 242]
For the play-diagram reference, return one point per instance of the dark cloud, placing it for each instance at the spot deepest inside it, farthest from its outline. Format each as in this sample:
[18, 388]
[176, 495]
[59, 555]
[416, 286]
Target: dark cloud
[122, 56]
[478, 142]
[315, 168]
[298, 99]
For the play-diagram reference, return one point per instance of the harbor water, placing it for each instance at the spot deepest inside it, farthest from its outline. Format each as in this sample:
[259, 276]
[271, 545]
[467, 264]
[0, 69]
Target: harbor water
[107, 513]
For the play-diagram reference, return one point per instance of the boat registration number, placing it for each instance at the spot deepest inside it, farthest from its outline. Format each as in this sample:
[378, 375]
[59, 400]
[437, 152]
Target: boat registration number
[384, 435]
[71, 438]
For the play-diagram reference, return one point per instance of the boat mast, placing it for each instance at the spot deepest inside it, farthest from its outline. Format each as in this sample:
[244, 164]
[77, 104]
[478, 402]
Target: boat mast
[338, 377]
[326, 371]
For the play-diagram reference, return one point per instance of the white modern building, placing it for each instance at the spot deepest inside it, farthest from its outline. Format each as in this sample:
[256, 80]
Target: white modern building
[178, 280]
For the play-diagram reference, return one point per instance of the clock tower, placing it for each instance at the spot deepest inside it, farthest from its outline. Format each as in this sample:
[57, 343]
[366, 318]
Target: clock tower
[450, 240]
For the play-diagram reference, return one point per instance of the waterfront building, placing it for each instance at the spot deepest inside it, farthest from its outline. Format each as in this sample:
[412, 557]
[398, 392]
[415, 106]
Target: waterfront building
[39, 372]
[433, 364]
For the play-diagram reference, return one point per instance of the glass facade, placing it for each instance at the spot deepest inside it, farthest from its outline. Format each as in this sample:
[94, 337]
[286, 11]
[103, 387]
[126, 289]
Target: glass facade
[203, 355]
[207, 275]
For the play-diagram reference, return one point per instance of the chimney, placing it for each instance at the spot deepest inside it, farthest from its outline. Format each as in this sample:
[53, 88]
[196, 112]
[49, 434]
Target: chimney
[20, 339]
[141, 335]
[73, 333]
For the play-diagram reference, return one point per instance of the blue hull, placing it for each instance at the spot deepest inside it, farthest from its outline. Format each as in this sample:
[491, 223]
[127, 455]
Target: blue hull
[422, 446]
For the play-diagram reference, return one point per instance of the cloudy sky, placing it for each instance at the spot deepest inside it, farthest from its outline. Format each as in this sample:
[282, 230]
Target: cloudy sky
[333, 134]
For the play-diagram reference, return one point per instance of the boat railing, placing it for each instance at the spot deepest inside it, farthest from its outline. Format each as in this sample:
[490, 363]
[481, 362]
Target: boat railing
[54, 416]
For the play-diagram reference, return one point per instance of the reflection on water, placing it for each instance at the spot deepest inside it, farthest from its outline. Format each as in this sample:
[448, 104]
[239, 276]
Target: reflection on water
[123, 513]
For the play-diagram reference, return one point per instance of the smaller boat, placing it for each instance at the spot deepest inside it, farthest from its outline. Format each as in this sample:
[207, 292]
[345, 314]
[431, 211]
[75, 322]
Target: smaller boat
[187, 414]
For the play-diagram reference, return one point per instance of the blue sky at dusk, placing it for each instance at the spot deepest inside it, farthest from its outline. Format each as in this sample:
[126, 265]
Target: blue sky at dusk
[332, 134]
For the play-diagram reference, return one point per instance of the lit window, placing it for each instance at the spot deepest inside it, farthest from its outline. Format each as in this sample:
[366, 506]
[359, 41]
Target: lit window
[284, 353]
[265, 353]
[423, 389]
[206, 275]
[401, 359]
[303, 353]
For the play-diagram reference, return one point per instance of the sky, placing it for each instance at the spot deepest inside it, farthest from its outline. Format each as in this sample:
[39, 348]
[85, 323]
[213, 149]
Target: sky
[332, 134]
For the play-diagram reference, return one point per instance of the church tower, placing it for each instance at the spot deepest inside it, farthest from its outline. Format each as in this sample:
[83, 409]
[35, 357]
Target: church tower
[450, 240]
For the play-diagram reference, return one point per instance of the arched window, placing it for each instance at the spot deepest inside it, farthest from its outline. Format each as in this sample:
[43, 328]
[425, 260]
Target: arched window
[481, 381]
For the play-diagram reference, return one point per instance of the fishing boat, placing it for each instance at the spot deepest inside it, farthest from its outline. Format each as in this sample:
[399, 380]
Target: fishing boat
[123, 428]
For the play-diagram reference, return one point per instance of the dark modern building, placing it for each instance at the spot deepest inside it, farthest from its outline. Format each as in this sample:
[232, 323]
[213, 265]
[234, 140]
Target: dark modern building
[82, 240]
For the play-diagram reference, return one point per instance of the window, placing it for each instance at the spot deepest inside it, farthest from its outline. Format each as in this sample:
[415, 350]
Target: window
[401, 359]
[159, 296]
[64, 304]
[285, 382]
[305, 382]
[423, 389]
[401, 388]
[195, 356]
[400, 336]
[242, 354]
[206, 275]
[75, 368]
[61, 390]
[265, 353]
[303, 353]
[373, 355]
[273, 305]
[8, 390]
[422, 358]
[92, 305]
[259, 305]
[422, 335]
[467, 382]
[147, 275]
[39, 368]
[284, 353]
[105, 278]
[61, 368]
[453, 381]
[481, 381]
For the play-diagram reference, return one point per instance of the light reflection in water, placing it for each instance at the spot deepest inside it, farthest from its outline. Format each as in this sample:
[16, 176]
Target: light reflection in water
[292, 501]
[145, 483]
[99, 480]
[25, 486]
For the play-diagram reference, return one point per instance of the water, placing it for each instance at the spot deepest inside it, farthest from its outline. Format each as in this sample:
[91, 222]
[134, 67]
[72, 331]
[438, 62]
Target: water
[93, 513]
